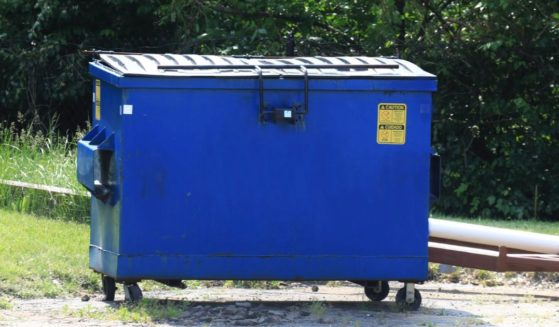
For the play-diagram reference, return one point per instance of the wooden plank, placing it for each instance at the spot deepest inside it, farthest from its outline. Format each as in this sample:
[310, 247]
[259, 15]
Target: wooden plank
[475, 245]
[462, 256]
[46, 188]
[532, 263]
[481, 258]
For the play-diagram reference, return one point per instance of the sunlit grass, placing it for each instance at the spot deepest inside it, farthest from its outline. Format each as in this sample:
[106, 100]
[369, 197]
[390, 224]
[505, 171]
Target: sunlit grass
[145, 312]
[5, 304]
[40, 157]
[43, 257]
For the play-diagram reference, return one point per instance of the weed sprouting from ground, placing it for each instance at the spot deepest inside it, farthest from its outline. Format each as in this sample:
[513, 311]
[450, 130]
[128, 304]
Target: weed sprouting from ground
[151, 310]
[251, 284]
[144, 312]
[317, 310]
[5, 304]
[486, 278]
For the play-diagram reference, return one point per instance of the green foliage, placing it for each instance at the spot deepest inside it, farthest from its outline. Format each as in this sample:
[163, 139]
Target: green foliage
[5, 304]
[42, 63]
[317, 310]
[496, 118]
[497, 108]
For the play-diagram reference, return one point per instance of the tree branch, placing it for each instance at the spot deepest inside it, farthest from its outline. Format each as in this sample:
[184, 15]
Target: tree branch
[290, 18]
[436, 14]
[400, 43]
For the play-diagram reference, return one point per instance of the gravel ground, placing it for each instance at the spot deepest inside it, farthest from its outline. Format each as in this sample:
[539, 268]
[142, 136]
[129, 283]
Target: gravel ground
[443, 305]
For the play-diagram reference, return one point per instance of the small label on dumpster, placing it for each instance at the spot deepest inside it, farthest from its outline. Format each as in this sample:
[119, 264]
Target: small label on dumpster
[391, 127]
[97, 99]
[127, 109]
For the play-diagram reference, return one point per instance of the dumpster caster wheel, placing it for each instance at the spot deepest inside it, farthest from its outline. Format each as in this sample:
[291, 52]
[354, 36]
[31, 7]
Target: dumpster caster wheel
[406, 305]
[378, 292]
[109, 288]
[132, 292]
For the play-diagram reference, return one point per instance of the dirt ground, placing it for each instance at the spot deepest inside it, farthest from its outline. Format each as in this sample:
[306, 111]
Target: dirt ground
[444, 304]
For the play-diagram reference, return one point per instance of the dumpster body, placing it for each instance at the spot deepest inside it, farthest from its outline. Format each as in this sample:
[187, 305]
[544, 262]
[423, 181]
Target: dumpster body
[208, 167]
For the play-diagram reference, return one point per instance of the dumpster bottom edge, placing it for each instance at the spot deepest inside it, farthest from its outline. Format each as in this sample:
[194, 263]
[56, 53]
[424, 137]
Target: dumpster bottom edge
[269, 267]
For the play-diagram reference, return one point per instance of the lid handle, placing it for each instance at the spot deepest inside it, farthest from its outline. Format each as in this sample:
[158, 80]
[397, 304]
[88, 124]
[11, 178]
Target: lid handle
[255, 67]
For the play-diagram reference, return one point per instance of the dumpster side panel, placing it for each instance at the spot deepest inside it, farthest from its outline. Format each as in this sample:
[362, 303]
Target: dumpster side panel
[209, 192]
[105, 216]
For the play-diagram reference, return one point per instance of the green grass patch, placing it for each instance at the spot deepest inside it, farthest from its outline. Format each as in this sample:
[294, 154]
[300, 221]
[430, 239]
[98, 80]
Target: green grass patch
[43, 257]
[546, 227]
[5, 304]
[263, 284]
[145, 312]
[40, 157]
[317, 310]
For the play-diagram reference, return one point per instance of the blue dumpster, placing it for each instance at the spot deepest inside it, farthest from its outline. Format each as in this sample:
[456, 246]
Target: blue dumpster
[246, 168]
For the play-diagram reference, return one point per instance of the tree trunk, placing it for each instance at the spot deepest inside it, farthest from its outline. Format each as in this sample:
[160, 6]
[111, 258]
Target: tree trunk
[400, 42]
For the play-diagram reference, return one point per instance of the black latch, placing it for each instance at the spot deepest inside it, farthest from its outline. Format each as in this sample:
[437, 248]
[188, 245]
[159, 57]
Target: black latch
[282, 115]
[101, 191]
[291, 115]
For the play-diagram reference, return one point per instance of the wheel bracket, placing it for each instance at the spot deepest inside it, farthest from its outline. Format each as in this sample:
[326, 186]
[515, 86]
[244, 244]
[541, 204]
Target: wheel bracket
[410, 292]
[377, 287]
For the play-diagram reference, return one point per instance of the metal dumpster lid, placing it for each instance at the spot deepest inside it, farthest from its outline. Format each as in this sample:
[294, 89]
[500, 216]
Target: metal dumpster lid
[189, 65]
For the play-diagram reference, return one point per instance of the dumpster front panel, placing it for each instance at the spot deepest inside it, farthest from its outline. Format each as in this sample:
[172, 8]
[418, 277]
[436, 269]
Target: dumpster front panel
[213, 184]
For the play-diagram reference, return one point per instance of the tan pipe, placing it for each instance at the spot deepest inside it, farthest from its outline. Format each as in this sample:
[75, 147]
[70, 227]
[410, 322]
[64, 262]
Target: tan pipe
[533, 242]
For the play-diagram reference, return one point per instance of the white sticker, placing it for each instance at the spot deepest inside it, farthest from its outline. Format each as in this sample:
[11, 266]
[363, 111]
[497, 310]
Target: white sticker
[127, 109]
[93, 97]
[287, 114]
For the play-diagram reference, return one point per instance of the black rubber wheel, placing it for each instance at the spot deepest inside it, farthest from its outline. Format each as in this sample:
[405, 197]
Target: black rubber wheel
[401, 300]
[375, 296]
[109, 288]
[132, 292]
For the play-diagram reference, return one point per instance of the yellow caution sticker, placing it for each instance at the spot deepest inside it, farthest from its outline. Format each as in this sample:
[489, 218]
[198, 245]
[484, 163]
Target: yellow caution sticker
[97, 99]
[391, 127]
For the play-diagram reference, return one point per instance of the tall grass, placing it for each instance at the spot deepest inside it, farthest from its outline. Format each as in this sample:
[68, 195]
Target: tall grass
[40, 156]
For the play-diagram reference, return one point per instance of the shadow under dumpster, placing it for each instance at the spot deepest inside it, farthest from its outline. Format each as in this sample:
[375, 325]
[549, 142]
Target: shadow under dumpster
[343, 306]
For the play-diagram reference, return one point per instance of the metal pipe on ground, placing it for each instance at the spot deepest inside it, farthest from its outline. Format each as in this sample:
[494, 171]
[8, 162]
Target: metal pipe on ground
[471, 233]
